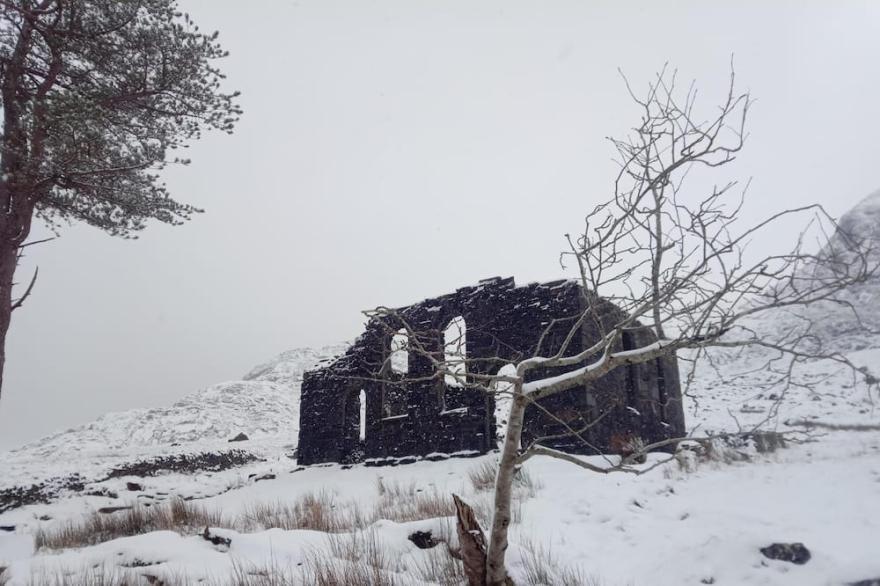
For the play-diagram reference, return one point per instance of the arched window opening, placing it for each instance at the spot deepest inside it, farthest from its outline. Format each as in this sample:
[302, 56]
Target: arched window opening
[400, 352]
[455, 352]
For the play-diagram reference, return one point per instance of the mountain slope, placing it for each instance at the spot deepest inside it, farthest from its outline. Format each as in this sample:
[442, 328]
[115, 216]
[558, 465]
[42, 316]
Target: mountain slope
[264, 406]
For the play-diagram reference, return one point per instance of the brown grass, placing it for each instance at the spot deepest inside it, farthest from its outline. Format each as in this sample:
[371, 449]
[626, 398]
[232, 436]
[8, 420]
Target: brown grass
[178, 515]
[407, 502]
[482, 478]
[318, 511]
[542, 568]
[355, 558]
[440, 567]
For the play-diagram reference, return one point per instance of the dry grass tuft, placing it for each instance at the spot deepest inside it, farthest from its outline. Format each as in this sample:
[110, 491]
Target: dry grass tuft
[406, 502]
[355, 558]
[178, 515]
[542, 568]
[318, 511]
[440, 567]
[251, 575]
[482, 477]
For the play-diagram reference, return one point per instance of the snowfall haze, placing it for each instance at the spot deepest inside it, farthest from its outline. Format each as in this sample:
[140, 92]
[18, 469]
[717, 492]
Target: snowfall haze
[390, 151]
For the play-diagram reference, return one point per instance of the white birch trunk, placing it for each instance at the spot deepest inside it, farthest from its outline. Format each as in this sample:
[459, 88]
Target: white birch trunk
[496, 571]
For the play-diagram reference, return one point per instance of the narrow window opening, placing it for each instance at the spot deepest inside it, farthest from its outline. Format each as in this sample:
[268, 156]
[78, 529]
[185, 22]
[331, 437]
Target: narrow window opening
[362, 424]
[455, 352]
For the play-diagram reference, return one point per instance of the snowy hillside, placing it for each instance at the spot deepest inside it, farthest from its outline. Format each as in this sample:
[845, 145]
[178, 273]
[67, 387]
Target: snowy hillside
[288, 367]
[836, 323]
[263, 406]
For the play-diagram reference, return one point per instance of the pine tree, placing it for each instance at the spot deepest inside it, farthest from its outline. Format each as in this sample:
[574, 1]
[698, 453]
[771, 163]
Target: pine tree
[97, 96]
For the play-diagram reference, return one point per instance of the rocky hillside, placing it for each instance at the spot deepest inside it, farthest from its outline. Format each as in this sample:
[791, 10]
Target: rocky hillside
[263, 404]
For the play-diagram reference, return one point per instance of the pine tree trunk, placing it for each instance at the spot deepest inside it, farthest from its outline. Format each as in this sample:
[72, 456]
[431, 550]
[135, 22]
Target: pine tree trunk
[496, 571]
[8, 261]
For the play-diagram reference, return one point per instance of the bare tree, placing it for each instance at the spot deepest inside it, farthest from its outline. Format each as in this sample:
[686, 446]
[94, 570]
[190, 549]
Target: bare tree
[673, 261]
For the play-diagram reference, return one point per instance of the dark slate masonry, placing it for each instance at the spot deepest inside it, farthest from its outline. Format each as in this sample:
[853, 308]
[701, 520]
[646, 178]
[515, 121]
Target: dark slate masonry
[428, 418]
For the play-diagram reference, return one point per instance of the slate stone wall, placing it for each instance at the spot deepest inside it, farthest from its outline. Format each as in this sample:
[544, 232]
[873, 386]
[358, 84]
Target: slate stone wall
[504, 323]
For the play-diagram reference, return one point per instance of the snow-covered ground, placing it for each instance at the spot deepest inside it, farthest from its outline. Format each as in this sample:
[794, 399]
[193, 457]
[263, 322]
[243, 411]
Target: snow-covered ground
[670, 526]
[675, 525]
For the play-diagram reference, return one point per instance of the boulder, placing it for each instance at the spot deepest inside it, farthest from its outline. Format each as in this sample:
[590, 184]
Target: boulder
[423, 539]
[795, 553]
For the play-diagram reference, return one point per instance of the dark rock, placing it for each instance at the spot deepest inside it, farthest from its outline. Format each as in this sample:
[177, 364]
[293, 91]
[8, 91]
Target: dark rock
[264, 477]
[795, 553]
[423, 539]
[869, 582]
[215, 539]
[102, 492]
[204, 461]
[109, 510]
[41, 493]
[241, 437]
[138, 563]
[7, 528]
[133, 486]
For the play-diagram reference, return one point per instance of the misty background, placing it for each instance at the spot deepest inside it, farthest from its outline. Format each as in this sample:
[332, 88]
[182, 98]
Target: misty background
[392, 151]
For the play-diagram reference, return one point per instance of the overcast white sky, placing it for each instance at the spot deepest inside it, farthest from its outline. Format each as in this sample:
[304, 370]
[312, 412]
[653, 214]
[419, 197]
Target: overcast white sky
[391, 151]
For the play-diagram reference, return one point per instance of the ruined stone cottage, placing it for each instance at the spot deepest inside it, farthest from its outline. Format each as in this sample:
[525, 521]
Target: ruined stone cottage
[358, 409]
